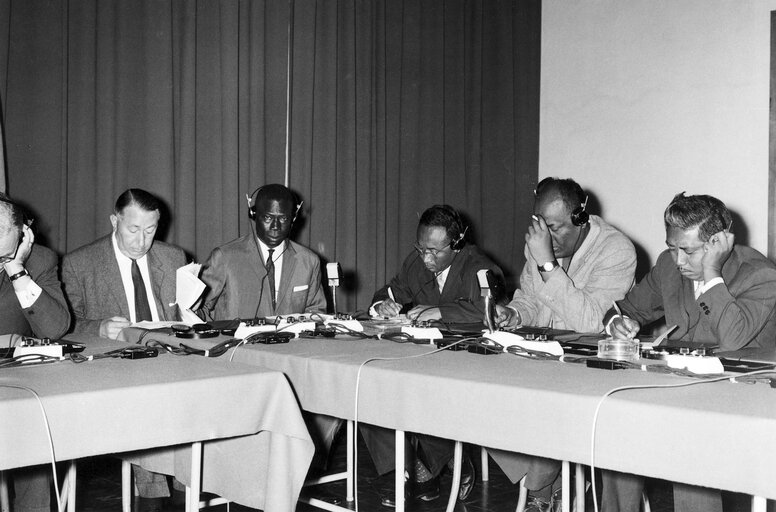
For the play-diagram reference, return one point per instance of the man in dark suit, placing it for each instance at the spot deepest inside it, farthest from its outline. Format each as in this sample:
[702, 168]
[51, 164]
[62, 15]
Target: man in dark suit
[266, 274]
[101, 279]
[437, 281]
[712, 290]
[124, 278]
[32, 304]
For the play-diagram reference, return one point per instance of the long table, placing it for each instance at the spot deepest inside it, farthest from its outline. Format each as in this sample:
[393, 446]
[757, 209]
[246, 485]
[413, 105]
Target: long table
[718, 435]
[257, 452]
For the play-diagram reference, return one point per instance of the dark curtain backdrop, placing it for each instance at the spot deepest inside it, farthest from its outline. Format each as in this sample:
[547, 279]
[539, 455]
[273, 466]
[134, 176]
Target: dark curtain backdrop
[395, 106]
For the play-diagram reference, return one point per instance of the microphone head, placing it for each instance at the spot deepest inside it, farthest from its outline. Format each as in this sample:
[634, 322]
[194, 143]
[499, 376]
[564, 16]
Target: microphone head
[333, 272]
[482, 278]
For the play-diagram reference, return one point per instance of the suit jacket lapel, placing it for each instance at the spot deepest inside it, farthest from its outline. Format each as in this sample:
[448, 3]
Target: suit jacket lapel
[113, 285]
[289, 264]
[158, 282]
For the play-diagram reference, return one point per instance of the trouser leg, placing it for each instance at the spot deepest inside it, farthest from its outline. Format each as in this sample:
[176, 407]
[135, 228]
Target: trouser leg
[32, 487]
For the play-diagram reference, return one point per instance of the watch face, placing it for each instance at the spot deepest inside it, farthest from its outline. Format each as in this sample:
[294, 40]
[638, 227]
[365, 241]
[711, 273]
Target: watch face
[549, 266]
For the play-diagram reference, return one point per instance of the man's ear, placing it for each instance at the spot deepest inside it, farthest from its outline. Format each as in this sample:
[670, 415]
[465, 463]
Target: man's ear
[114, 221]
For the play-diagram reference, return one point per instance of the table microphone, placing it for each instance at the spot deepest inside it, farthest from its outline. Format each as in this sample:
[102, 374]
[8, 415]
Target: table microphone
[485, 277]
[333, 272]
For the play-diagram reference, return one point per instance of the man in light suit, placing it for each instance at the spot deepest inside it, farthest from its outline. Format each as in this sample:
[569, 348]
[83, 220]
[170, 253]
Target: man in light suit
[266, 274]
[98, 277]
[123, 278]
[32, 304]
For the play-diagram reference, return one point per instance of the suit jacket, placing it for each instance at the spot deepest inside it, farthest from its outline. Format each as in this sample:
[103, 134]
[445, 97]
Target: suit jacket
[739, 313]
[459, 301]
[600, 271]
[236, 280]
[94, 289]
[48, 316]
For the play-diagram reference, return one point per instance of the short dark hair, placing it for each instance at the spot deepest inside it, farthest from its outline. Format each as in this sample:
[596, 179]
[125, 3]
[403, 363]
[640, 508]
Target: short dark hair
[443, 216]
[138, 197]
[569, 191]
[707, 213]
[275, 192]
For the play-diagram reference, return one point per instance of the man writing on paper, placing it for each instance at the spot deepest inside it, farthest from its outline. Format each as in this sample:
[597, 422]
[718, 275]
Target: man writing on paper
[576, 265]
[124, 278]
[437, 281]
[31, 304]
[264, 274]
[712, 290]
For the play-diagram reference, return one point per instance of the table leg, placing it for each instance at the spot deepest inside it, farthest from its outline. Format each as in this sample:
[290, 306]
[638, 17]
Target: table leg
[566, 486]
[126, 486]
[192, 502]
[457, 455]
[399, 481]
[579, 481]
[67, 496]
[759, 504]
[5, 505]
[350, 462]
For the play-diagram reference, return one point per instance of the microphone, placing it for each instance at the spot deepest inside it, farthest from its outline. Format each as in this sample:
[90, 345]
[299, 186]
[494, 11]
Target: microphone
[333, 272]
[485, 278]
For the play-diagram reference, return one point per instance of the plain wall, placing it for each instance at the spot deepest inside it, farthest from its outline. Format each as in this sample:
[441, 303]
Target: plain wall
[643, 99]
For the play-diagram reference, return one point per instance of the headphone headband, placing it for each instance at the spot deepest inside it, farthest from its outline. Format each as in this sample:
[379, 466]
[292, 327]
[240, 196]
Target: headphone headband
[579, 215]
[252, 201]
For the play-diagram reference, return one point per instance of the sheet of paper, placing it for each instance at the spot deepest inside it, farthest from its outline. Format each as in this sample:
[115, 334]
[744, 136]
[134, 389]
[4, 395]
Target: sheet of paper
[188, 286]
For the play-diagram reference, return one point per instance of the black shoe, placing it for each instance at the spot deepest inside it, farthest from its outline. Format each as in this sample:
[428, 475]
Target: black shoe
[467, 479]
[424, 491]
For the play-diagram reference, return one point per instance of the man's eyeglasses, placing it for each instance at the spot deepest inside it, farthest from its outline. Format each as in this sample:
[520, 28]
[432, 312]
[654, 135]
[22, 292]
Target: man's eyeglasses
[433, 252]
[6, 259]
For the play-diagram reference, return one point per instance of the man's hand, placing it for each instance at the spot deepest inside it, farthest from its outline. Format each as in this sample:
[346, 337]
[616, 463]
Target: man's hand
[388, 308]
[424, 313]
[539, 241]
[716, 252]
[25, 247]
[624, 328]
[111, 327]
[505, 317]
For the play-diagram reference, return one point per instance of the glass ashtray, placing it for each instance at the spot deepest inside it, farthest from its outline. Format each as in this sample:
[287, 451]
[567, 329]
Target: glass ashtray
[621, 350]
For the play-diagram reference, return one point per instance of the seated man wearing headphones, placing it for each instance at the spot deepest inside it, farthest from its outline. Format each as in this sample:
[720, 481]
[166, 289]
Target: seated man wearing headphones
[576, 266]
[264, 274]
[438, 280]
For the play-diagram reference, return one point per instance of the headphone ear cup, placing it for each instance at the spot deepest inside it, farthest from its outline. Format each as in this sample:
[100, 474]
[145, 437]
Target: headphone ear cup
[579, 217]
[251, 213]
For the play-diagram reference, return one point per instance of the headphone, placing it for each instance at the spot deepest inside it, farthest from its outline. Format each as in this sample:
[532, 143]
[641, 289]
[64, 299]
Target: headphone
[458, 228]
[252, 205]
[579, 216]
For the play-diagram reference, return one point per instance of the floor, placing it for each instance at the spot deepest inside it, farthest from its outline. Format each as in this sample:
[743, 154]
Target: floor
[100, 490]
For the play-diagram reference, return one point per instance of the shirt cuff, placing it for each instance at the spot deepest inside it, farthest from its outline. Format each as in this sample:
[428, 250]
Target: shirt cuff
[29, 294]
[707, 286]
[608, 328]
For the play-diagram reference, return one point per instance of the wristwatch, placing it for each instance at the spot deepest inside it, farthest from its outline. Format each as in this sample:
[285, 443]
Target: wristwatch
[18, 275]
[549, 266]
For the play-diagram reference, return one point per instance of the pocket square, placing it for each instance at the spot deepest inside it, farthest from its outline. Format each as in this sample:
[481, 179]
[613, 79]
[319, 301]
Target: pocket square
[301, 288]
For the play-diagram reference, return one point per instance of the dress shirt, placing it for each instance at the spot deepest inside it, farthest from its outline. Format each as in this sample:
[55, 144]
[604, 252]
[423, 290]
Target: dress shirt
[28, 293]
[277, 258]
[441, 278]
[125, 267]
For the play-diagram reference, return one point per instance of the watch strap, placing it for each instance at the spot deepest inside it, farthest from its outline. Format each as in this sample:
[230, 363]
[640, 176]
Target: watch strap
[23, 272]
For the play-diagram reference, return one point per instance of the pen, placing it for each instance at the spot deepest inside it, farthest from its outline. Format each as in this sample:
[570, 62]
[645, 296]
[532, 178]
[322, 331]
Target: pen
[617, 308]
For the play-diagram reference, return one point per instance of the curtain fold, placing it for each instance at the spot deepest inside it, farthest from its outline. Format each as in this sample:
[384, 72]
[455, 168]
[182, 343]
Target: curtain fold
[395, 106]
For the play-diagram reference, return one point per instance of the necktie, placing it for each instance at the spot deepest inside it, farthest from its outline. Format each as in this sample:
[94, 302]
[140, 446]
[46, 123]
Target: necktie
[142, 310]
[270, 266]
